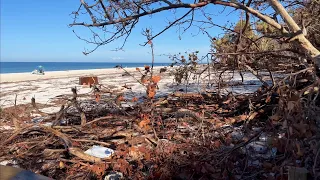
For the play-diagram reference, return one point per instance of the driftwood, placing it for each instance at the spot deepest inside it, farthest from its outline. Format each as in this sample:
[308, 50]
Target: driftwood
[64, 138]
[76, 104]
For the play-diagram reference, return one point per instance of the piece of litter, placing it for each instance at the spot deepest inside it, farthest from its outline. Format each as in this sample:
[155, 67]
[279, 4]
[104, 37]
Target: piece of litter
[99, 151]
[50, 109]
[258, 147]
[9, 162]
[37, 119]
[5, 127]
[114, 176]
[48, 124]
[35, 115]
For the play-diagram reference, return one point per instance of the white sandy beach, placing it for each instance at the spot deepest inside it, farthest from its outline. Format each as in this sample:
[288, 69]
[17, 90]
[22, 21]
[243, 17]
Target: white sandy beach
[45, 88]
[18, 77]
[49, 87]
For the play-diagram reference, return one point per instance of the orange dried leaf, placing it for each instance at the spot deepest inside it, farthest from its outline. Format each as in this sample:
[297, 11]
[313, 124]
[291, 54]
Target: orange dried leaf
[268, 99]
[134, 153]
[155, 79]
[99, 169]
[151, 93]
[97, 97]
[253, 115]
[144, 122]
[134, 99]
[61, 165]
[243, 117]
[146, 67]
[144, 80]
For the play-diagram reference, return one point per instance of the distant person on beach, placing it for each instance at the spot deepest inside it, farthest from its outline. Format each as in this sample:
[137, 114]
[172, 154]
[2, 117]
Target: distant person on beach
[40, 70]
[118, 66]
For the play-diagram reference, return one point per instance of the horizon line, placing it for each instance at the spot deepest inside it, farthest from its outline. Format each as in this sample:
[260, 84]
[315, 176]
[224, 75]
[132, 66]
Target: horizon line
[87, 61]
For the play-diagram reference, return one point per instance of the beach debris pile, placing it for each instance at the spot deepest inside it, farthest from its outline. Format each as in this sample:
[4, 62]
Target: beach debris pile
[270, 134]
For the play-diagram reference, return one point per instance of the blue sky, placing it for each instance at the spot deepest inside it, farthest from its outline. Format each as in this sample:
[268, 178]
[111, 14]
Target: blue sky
[37, 30]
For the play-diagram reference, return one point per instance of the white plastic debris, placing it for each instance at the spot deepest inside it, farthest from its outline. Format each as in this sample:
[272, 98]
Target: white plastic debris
[114, 176]
[263, 137]
[9, 162]
[99, 151]
[48, 124]
[35, 115]
[50, 109]
[37, 119]
[258, 147]
[5, 127]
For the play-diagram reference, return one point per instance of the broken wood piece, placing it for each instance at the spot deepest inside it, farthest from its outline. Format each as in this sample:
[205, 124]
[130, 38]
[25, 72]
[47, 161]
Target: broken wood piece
[188, 95]
[64, 138]
[83, 117]
[186, 112]
[51, 152]
[72, 150]
[77, 105]
[15, 122]
[58, 116]
[80, 154]
[73, 161]
[98, 119]
[92, 141]
[65, 127]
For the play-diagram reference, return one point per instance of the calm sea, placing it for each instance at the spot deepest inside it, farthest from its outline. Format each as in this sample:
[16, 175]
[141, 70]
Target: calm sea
[19, 67]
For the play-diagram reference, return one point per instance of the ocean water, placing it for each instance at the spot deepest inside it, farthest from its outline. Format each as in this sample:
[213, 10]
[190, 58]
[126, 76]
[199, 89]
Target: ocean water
[19, 67]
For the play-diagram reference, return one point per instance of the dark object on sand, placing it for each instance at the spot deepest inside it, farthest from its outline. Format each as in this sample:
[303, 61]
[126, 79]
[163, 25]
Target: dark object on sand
[88, 80]
[163, 70]
[125, 74]
[147, 68]
[118, 66]
[13, 173]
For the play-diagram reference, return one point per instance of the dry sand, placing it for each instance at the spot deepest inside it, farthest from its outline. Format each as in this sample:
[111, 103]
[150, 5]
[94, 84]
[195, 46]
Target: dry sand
[18, 77]
[46, 88]
[49, 87]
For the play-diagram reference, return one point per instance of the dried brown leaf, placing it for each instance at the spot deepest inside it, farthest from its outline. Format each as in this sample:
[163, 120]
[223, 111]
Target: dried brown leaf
[155, 79]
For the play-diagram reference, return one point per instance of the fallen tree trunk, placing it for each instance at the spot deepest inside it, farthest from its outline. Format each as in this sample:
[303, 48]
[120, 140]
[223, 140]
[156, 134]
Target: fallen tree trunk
[298, 35]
